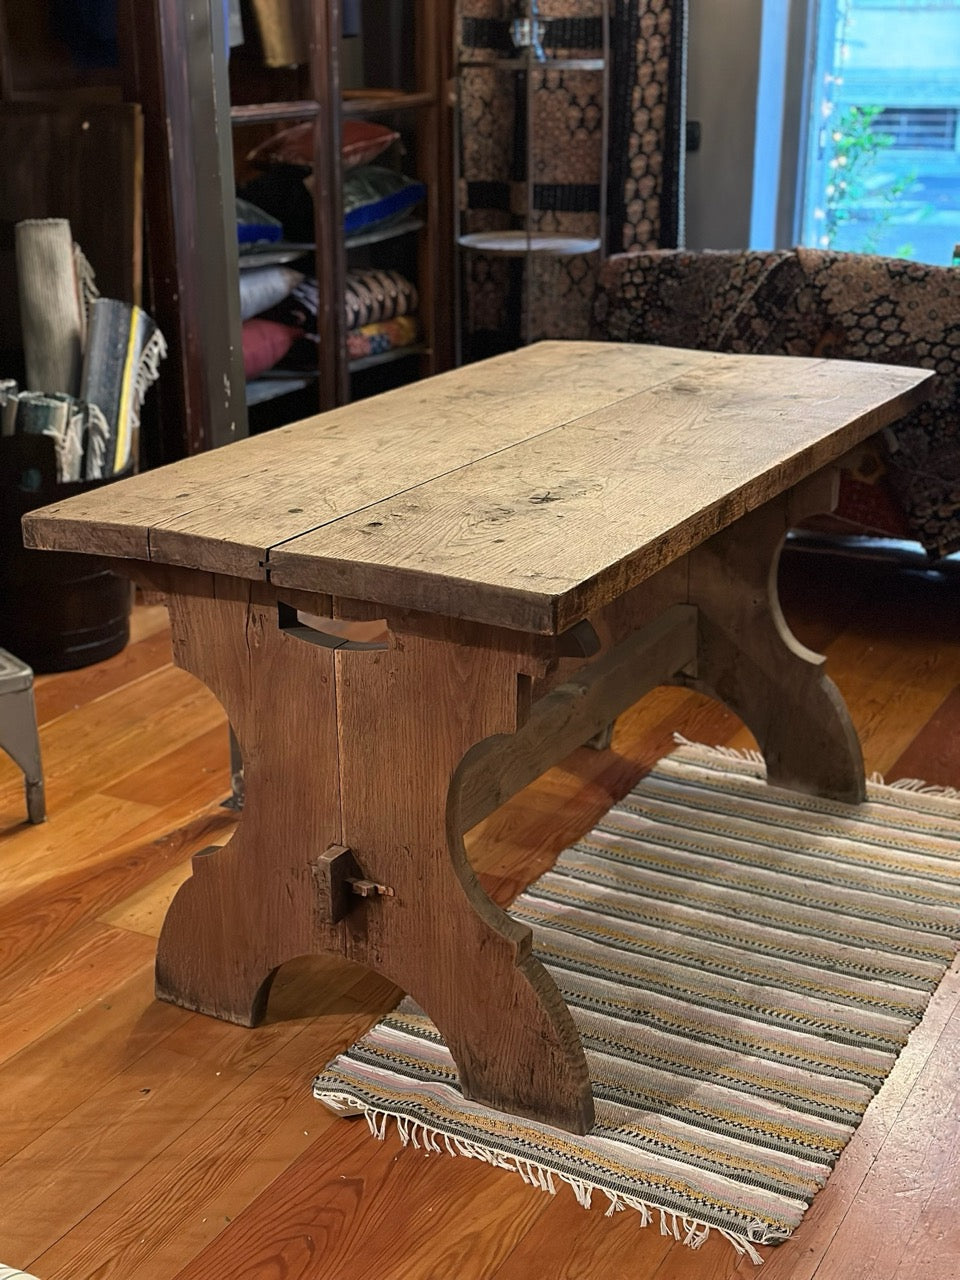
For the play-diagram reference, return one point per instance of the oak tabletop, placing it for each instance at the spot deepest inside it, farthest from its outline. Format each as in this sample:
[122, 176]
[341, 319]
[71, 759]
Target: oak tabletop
[521, 491]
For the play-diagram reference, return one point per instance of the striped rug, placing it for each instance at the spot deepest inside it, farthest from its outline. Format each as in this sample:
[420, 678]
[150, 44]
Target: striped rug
[744, 964]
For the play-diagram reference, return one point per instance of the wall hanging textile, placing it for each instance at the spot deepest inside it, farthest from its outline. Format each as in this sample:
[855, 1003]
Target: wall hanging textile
[643, 170]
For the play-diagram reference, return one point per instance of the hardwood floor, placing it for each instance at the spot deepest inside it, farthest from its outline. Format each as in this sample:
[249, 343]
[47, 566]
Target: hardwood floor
[141, 1142]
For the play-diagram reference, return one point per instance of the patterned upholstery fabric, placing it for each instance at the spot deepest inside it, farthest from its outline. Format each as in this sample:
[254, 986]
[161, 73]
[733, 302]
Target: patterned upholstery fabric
[807, 303]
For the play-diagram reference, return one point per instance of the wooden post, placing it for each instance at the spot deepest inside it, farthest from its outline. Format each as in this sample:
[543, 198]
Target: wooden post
[344, 754]
[175, 65]
[750, 660]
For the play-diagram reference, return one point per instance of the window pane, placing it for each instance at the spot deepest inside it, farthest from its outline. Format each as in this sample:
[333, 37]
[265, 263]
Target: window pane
[883, 166]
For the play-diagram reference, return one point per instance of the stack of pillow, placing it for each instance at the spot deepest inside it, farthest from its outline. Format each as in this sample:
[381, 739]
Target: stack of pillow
[278, 303]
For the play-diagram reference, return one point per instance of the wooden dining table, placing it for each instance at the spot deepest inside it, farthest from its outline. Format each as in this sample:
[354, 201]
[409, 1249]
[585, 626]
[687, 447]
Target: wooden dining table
[413, 605]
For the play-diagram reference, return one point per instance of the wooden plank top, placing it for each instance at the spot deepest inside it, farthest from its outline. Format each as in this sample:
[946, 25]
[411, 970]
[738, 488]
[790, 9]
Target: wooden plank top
[522, 491]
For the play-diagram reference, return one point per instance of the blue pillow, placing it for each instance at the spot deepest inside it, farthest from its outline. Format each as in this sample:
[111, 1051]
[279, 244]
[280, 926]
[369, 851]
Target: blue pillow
[373, 195]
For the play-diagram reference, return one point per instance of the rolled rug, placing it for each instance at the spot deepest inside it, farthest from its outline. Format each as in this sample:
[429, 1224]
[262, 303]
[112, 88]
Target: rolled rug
[62, 418]
[55, 284]
[121, 362]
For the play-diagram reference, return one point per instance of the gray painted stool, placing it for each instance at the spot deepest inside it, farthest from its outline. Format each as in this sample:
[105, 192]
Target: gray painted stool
[18, 729]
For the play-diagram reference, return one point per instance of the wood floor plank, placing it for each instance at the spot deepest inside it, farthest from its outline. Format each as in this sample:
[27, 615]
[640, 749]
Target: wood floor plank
[132, 1118]
[205, 756]
[934, 754]
[92, 831]
[56, 695]
[144, 911]
[109, 733]
[58, 1070]
[350, 1208]
[148, 620]
[86, 1160]
[52, 1184]
[36, 998]
[29, 855]
[237, 1147]
[45, 912]
[617, 1248]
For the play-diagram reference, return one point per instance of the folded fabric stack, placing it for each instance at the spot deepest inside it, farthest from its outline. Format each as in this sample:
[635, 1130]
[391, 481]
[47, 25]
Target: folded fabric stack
[380, 307]
[379, 310]
[376, 339]
[265, 342]
[279, 305]
[89, 360]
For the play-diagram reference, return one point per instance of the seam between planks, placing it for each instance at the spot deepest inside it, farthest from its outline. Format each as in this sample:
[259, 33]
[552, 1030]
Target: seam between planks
[452, 471]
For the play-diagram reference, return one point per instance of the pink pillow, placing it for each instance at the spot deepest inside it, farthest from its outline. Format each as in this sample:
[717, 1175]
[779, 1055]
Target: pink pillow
[264, 343]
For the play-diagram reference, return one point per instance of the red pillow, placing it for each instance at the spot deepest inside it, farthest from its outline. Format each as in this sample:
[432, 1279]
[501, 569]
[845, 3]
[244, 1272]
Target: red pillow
[264, 343]
[361, 141]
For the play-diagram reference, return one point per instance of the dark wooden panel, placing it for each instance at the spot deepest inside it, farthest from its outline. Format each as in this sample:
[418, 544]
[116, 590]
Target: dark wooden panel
[174, 67]
[83, 163]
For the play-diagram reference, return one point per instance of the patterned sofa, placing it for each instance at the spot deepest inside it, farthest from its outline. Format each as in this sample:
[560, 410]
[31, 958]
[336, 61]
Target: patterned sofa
[903, 483]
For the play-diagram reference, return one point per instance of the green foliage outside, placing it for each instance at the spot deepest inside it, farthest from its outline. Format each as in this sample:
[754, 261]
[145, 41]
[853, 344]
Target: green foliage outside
[853, 193]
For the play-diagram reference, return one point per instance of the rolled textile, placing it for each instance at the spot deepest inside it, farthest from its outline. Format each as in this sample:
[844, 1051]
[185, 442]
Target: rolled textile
[121, 362]
[60, 417]
[55, 285]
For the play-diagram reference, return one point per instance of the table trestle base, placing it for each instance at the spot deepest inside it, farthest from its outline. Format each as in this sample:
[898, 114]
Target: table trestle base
[365, 765]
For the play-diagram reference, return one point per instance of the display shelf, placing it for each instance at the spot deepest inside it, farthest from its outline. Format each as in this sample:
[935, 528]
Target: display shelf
[355, 102]
[279, 255]
[395, 72]
[387, 357]
[271, 386]
[536, 64]
[273, 112]
[371, 102]
[530, 152]
[378, 234]
[517, 244]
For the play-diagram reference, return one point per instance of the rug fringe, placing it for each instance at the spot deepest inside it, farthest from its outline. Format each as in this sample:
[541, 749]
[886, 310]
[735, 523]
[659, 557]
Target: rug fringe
[917, 786]
[687, 1231]
[749, 755]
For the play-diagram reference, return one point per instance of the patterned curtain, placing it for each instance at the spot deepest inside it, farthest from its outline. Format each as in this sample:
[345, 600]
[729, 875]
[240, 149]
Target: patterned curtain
[508, 300]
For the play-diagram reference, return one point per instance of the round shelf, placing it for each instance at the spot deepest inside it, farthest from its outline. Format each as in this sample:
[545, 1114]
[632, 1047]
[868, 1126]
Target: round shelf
[536, 64]
[517, 244]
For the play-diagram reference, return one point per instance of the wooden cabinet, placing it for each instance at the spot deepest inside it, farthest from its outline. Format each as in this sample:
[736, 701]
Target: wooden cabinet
[200, 119]
[392, 68]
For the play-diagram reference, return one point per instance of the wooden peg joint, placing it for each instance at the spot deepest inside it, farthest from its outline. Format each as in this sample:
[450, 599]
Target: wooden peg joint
[340, 881]
[369, 889]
